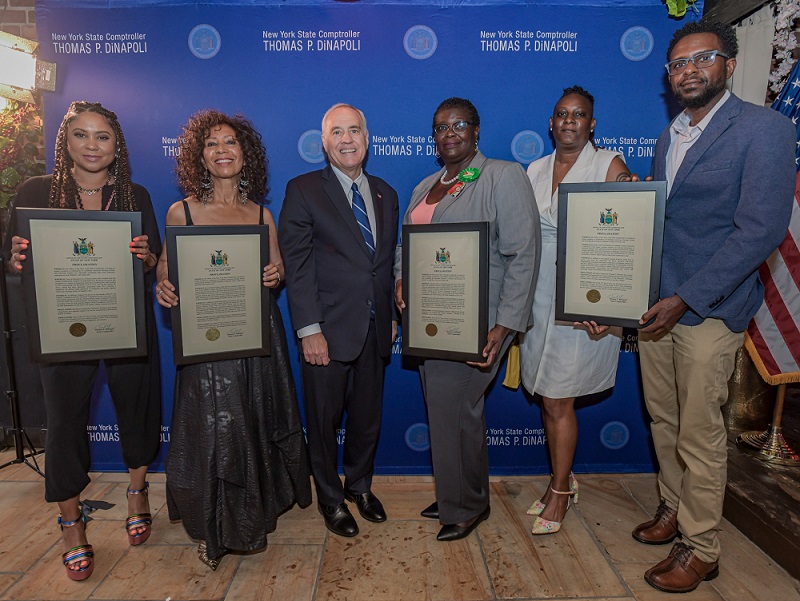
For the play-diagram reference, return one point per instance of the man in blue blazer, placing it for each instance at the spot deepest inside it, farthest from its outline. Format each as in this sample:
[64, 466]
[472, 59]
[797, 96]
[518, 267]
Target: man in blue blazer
[338, 231]
[730, 177]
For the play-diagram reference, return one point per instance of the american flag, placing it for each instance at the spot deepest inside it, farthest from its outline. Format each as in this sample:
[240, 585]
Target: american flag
[773, 336]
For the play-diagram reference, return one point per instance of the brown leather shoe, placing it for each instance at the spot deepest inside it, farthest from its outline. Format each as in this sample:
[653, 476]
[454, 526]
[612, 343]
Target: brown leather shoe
[681, 572]
[662, 529]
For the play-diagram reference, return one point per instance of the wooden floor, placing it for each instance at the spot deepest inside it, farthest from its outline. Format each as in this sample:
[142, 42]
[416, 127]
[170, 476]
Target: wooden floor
[593, 557]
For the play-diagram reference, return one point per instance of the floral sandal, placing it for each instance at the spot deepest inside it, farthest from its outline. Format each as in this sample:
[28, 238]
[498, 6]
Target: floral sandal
[139, 520]
[78, 554]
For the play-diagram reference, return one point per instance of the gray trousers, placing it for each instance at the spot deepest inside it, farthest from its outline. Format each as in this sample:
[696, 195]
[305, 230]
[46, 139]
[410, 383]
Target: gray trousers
[454, 394]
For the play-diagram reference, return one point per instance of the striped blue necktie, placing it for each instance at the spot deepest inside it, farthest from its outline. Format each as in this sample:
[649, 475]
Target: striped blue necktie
[360, 211]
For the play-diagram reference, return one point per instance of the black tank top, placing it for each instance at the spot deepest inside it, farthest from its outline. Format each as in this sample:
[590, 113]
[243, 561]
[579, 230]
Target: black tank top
[189, 214]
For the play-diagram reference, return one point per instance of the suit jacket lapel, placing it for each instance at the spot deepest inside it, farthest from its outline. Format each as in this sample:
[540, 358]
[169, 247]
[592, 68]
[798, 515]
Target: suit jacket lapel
[333, 188]
[718, 124]
[337, 196]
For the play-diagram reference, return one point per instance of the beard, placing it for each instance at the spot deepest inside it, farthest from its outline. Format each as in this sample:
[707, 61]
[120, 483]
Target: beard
[712, 89]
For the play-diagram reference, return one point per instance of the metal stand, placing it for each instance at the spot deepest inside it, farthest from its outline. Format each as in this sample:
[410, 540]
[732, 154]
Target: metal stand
[770, 445]
[20, 436]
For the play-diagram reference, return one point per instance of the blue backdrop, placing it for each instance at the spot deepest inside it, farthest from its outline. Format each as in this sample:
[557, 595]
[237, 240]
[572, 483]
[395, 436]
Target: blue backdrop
[156, 63]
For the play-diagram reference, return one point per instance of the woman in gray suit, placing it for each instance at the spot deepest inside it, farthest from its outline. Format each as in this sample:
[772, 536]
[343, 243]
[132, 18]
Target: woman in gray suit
[472, 188]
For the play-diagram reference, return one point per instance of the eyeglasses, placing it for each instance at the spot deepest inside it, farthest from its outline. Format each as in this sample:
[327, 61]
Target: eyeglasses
[459, 127]
[701, 60]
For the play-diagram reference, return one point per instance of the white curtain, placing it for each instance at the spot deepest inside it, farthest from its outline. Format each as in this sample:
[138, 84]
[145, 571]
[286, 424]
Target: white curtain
[751, 77]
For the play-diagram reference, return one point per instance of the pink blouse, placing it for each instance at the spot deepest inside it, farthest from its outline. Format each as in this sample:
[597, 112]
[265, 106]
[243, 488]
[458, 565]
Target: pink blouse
[422, 213]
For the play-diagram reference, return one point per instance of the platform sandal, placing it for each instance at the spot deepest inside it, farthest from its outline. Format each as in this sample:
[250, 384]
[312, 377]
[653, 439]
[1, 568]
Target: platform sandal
[543, 526]
[139, 520]
[78, 554]
[538, 506]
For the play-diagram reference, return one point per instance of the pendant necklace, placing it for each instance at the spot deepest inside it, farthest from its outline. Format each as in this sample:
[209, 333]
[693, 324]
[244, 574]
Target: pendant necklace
[91, 191]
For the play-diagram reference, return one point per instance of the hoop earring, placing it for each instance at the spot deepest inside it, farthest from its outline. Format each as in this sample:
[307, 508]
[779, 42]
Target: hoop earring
[243, 185]
[207, 187]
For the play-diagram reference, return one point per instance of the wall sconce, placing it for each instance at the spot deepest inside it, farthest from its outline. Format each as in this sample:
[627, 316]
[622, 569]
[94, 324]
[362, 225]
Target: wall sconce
[22, 72]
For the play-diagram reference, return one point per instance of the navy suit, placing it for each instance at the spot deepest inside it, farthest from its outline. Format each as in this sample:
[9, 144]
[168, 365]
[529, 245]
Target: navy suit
[332, 280]
[727, 210]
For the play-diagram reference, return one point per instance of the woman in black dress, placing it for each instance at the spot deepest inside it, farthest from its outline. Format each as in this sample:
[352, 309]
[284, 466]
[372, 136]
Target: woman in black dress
[237, 456]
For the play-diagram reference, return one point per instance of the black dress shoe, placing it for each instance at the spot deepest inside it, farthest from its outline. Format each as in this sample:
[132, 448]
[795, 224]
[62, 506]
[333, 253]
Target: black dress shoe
[369, 506]
[338, 519]
[451, 532]
[431, 511]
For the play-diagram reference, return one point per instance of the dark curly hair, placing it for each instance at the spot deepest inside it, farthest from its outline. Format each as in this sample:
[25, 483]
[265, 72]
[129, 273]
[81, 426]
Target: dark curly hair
[64, 190]
[189, 167]
[580, 92]
[725, 33]
[459, 103]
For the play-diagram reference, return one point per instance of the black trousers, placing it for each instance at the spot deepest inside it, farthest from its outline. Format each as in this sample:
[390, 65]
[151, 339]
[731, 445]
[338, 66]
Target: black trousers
[135, 386]
[355, 387]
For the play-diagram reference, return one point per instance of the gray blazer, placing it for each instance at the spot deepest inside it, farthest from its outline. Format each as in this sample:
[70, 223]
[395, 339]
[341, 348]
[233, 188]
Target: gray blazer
[503, 196]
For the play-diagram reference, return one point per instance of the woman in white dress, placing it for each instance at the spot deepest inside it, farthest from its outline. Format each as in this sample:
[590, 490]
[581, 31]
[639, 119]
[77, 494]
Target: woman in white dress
[561, 361]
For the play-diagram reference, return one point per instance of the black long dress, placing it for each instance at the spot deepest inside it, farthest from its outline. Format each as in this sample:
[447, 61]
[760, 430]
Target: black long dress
[237, 456]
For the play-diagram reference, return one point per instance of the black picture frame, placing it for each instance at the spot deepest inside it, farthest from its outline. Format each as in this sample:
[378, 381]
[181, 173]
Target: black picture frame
[609, 272]
[420, 331]
[247, 336]
[50, 264]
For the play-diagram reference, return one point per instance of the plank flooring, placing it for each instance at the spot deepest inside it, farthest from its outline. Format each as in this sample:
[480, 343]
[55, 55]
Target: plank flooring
[592, 558]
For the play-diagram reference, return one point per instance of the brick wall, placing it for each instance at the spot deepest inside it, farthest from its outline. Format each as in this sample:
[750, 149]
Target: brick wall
[18, 17]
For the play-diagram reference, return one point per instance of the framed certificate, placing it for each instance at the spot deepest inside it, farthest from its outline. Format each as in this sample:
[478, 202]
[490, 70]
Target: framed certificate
[223, 311]
[610, 238]
[84, 289]
[446, 290]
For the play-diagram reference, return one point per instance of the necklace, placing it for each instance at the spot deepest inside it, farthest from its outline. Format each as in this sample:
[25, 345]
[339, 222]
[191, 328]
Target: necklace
[91, 191]
[447, 182]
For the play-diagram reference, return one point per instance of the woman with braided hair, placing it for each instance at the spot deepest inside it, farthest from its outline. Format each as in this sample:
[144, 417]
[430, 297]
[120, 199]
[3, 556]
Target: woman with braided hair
[91, 173]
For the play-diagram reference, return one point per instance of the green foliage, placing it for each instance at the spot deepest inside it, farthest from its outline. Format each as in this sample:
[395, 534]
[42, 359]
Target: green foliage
[677, 8]
[20, 139]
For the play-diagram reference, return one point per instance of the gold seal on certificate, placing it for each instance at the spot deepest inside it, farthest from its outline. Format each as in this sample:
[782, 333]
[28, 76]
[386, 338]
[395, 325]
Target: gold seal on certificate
[212, 334]
[593, 296]
[431, 329]
[77, 329]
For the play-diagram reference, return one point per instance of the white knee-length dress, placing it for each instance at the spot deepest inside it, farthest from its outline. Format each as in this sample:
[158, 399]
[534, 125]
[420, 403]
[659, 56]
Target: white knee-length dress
[559, 360]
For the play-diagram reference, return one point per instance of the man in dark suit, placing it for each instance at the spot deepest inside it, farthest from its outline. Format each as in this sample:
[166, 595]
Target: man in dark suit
[730, 177]
[338, 231]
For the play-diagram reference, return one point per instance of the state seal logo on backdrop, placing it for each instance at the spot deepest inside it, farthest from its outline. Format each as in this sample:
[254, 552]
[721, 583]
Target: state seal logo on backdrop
[527, 146]
[309, 146]
[204, 41]
[420, 42]
[636, 43]
[615, 435]
[418, 437]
